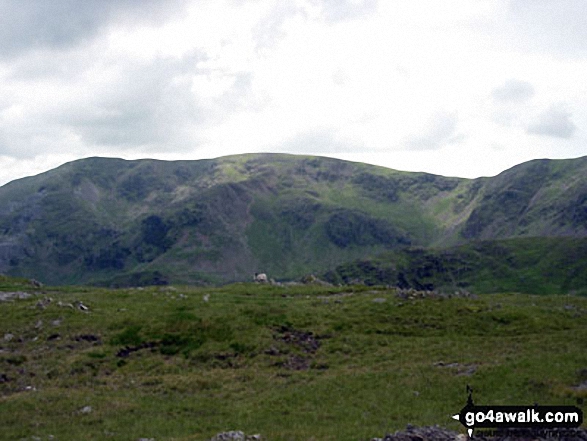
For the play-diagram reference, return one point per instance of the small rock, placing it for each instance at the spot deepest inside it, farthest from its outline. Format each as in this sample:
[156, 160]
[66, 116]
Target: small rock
[86, 409]
[236, 435]
[8, 337]
[379, 300]
[233, 435]
[43, 303]
[434, 433]
[35, 283]
[82, 307]
[65, 305]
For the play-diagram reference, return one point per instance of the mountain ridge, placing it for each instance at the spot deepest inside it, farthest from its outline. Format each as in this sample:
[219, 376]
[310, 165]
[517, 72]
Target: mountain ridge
[107, 220]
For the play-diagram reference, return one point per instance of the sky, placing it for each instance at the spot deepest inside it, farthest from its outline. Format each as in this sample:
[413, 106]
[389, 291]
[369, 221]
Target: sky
[462, 88]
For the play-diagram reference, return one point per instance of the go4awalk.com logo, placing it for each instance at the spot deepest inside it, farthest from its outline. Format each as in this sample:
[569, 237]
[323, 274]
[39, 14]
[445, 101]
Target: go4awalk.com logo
[514, 417]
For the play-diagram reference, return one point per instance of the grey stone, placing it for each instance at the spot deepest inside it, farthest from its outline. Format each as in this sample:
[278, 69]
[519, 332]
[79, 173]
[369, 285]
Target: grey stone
[17, 295]
[86, 409]
[233, 435]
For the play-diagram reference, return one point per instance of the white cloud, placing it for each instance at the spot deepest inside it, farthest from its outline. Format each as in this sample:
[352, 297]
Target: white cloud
[550, 26]
[320, 141]
[406, 84]
[340, 10]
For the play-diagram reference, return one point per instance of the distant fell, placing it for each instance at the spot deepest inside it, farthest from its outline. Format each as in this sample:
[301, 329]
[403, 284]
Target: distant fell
[118, 222]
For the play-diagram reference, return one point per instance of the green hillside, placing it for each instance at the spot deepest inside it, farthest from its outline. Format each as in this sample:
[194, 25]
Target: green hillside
[525, 265]
[119, 223]
[290, 363]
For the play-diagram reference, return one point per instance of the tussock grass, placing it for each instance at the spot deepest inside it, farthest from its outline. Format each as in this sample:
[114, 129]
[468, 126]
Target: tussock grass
[291, 363]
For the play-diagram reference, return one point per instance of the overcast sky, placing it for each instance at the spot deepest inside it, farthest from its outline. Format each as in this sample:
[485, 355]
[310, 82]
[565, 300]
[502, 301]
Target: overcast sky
[455, 87]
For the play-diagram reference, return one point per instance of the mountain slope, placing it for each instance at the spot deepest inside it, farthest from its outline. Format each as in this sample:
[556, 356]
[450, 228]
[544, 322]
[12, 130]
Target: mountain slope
[536, 265]
[113, 221]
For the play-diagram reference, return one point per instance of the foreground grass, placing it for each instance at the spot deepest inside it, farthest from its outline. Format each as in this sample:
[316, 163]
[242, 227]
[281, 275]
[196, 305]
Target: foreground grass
[291, 363]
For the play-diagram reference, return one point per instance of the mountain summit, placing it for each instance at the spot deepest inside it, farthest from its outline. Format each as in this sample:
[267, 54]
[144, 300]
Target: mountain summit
[113, 221]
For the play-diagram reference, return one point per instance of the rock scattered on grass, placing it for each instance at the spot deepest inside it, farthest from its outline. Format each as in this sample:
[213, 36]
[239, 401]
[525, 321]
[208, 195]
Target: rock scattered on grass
[86, 410]
[460, 369]
[16, 295]
[35, 283]
[305, 340]
[235, 435]
[430, 433]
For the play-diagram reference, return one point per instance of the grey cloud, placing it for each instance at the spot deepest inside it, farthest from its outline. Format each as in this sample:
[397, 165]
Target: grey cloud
[340, 10]
[147, 106]
[441, 131]
[43, 24]
[154, 106]
[555, 122]
[514, 91]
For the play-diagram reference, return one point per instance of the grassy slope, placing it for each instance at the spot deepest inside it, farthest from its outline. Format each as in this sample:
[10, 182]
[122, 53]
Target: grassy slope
[224, 364]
